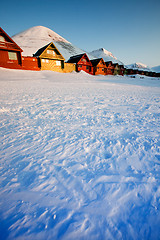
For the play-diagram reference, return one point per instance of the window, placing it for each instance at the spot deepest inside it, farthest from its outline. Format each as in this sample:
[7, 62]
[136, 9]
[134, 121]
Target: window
[102, 69]
[2, 39]
[80, 66]
[51, 52]
[58, 63]
[45, 60]
[12, 55]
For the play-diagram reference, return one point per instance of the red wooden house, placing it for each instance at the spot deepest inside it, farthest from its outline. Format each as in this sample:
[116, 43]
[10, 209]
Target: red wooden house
[10, 52]
[99, 66]
[110, 68]
[11, 55]
[82, 63]
[121, 70]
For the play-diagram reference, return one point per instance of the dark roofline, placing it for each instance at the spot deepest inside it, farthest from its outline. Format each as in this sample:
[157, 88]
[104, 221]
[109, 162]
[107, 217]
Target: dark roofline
[41, 50]
[108, 62]
[96, 61]
[75, 58]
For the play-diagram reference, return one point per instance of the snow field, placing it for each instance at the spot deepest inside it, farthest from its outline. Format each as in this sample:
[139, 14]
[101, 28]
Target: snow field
[80, 156]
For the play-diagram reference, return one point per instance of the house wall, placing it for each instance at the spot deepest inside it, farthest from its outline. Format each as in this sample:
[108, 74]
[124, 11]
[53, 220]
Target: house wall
[121, 71]
[85, 68]
[109, 71]
[30, 63]
[85, 65]
[51, 53]
[52, 65]
[69, 67]
[10, 63]
[100, 69]
[116, 70]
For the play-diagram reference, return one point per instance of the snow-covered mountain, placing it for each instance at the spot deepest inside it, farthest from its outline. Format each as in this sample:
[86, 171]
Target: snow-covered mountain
[36, 37]
[106, 55]
[156, 69]
[139, 66]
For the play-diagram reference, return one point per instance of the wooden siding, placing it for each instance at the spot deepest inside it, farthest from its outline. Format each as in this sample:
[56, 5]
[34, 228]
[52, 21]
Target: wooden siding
[10, 52]
[10, 63]
[84, 64]
[30, 63]
[100, 68]
[49, 64]
[54, 56]
[50, 58]
[69, 67]
[110, 68]
[116, 69]
[121, 70]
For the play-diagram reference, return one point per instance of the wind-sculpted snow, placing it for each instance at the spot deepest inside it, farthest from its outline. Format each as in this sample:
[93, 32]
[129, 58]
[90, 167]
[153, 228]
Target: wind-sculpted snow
[80, 156]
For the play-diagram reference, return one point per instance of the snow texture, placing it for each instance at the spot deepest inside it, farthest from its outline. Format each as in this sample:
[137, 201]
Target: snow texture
[37, 37]
[80, 156]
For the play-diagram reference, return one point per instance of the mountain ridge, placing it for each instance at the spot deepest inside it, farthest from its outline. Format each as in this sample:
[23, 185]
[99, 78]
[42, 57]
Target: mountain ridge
[34, 38]
[106, 55]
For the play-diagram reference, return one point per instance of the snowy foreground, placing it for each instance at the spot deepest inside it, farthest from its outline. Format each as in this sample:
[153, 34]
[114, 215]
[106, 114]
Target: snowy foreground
[80, 156]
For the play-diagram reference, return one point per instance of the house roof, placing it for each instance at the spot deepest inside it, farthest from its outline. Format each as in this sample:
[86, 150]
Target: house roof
[14, 45]
[108, 62]
[96, 61]
[76, 58]
[41, 50]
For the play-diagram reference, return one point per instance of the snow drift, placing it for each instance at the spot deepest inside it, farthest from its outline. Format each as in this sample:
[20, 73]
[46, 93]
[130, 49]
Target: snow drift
[79, 156]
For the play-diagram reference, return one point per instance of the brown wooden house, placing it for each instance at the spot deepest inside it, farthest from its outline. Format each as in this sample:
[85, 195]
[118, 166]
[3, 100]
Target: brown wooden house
[99, 66]
[50, 58]
[82, 63]
[10, 52]
[110, 68]
[116, 68]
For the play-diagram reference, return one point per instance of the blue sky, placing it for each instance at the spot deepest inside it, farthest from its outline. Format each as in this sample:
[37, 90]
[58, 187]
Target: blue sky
[129, 29]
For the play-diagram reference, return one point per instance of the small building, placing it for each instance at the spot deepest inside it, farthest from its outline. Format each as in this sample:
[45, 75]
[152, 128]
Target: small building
[10, 52]
[116, 68]
[99, 66]
[157, 74]
[110, 68]
[50, 58]
[82, 63]
[130, 71]
[121, 70]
